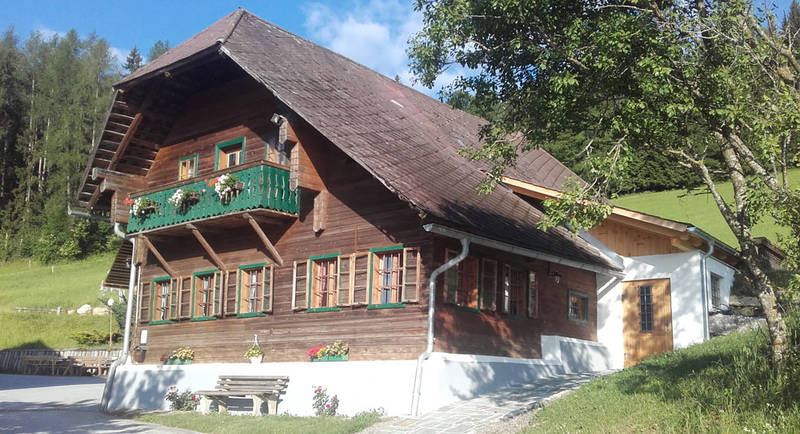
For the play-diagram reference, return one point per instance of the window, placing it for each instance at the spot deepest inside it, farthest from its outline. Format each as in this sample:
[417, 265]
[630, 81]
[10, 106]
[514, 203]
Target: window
[461, 282]
[187, 167]
[207, 295]
[255, 296]
[715, 290]
[578, 307]
[144, 302]
[163, 300]
[323, 283]
[533, 296]
[277, 152]
[383, 278]
[646, 308]
[388, 277]
[489, 284]
[230, 153]
[514, 280]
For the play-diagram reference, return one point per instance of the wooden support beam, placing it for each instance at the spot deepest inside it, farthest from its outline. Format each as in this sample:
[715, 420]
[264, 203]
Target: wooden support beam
[206, 246]
[113, 180]
[158, 256]
[267, 243]
[126, 139]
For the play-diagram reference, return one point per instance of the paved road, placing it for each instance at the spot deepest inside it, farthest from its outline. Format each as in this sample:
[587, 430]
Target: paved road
[34, 404]
[479, 414]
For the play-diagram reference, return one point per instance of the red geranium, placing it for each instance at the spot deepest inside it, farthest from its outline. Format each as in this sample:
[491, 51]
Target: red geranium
[313, 352]
[128, 201]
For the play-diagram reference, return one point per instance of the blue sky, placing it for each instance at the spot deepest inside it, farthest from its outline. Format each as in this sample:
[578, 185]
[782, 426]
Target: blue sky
[372, 32]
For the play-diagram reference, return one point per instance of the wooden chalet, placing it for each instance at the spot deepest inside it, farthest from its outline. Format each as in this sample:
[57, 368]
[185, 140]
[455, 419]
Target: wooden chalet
[348, 191]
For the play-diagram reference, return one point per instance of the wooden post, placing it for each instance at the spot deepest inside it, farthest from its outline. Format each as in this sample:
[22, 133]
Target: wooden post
[206, 246]
[267, 243]
[126, 139]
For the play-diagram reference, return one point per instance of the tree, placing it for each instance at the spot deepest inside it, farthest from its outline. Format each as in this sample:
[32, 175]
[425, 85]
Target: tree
[686, 79]
[133, 61]
[159, 48]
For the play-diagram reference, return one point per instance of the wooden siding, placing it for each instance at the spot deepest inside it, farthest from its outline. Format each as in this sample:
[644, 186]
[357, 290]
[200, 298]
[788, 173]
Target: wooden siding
[629, 241]
[492, 333]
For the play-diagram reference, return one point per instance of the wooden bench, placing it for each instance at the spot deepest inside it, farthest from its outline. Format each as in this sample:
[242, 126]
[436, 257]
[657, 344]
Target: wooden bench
[259, 388]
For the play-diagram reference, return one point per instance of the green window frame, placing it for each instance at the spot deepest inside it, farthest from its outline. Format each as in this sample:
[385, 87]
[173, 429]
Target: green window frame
[263, 312]
[196, 158]
[219, 146]
[371, 288]
[583, 296]
[195, 275]
[153, 286]
[312, 266]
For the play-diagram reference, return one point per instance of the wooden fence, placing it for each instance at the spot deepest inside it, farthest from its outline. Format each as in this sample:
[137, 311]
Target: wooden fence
[10, 359]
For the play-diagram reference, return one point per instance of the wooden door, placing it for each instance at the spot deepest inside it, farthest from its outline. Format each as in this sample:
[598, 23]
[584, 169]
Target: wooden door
[646, 319]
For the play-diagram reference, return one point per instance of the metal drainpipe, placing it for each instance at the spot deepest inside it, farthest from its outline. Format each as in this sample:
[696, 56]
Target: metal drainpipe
[704, 280]
[417, 392]
[128, 313]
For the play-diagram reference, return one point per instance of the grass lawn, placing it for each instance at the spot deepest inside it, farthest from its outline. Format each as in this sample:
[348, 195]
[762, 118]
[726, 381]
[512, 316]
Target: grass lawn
[224, 423]
[698, 208]
[69, 285]
[723, 385]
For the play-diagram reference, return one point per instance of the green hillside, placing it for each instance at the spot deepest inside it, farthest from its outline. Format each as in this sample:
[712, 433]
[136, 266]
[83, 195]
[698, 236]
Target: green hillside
[698, 208]
[27, 284]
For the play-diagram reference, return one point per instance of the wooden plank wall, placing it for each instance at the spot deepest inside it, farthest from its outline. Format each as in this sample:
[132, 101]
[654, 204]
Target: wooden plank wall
[628, 241]
[491, 333]
[362, 214]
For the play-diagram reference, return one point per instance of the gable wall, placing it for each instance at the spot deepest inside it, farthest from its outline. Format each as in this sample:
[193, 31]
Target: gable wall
[629, 241]
[362, 214]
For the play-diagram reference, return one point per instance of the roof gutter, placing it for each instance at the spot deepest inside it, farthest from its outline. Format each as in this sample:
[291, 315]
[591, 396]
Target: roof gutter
[510, 248]
[417, 391]
[704, 276]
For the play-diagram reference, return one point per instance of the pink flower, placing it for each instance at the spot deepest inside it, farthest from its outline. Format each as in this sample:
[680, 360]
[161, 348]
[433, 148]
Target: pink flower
[319, 389]
[327, 406]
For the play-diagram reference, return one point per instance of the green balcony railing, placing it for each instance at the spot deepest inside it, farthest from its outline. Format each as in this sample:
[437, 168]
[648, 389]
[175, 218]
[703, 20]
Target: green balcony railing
[262, 186]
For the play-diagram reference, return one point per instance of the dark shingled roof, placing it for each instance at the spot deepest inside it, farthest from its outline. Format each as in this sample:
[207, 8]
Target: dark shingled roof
[406, 139]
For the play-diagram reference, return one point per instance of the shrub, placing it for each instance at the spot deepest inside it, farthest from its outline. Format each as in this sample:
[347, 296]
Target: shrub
[181, 401]
[323, 404]
[94, 337]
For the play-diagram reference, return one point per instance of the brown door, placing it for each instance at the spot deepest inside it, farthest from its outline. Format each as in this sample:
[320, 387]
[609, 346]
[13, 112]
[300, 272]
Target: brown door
[646, 319]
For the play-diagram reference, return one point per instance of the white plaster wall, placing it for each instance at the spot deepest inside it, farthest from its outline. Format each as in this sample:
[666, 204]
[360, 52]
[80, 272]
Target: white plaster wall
[360, 385]
[683, 270]
[727, 273]
[609, 318]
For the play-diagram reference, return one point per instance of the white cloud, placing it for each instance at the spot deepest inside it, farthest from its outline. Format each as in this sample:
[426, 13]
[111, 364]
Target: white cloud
[120, 54]
[374, 33]
[48, 33]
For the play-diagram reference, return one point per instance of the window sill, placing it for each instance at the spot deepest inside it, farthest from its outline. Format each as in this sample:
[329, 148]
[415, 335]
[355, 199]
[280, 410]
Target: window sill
[203, 318]
[579, 321]
[251, 315]
[386, 306]
[164, 321]
[466, 309]
[517, 317]
[323, 309]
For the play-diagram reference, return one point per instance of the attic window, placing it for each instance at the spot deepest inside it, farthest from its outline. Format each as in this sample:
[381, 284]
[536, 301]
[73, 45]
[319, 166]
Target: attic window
[187, 167]
[230, 153]
[276, 151]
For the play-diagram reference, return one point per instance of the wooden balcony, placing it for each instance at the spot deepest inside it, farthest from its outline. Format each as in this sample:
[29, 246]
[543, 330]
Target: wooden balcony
[264, 186]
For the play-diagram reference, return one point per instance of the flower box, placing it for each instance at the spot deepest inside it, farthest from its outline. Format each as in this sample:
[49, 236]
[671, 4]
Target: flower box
[339, 358]
[178, 362]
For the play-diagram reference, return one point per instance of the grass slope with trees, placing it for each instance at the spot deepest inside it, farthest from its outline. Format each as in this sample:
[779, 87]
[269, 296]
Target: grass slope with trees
[28, 284]
[724, 385]
[698, 208]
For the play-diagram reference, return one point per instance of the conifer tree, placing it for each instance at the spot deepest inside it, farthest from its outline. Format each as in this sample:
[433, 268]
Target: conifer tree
[134, 60]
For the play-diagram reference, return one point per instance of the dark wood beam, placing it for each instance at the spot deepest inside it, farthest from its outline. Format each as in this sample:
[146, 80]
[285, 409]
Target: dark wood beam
[126, 139]
[267, 243]
[158, 256]
[206, 246]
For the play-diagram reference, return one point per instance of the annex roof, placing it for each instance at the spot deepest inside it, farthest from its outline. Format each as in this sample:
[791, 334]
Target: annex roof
[407, 140]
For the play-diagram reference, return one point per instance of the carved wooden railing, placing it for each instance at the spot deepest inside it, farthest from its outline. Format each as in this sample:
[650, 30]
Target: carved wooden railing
[262, 185]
